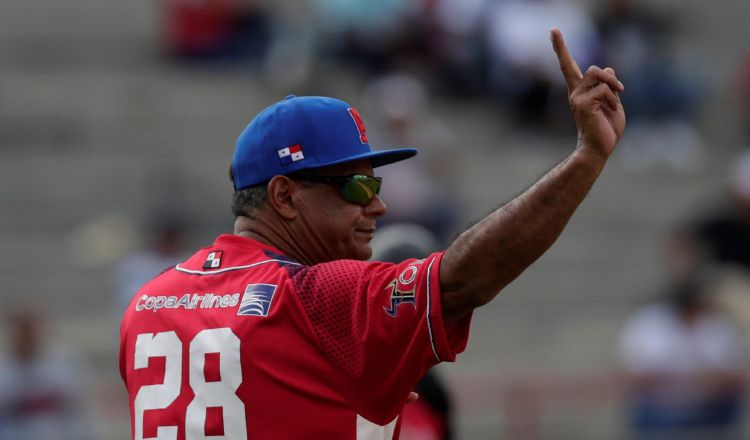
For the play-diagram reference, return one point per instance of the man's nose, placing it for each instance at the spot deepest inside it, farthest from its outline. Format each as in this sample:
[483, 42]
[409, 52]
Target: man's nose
[376, 208]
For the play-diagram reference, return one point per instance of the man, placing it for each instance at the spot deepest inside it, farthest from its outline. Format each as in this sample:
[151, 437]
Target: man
[283, 331]
[685, 365]
[43, 387]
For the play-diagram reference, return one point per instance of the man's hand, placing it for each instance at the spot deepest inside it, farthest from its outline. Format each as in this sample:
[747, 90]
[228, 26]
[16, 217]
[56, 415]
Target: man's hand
[594, 101]
[492, 253]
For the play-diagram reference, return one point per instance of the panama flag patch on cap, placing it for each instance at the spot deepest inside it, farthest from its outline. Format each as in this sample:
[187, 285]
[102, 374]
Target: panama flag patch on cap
[291, 154]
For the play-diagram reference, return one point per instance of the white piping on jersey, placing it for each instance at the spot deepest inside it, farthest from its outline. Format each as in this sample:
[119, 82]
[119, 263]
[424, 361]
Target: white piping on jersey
[429, 310]
[227, 269]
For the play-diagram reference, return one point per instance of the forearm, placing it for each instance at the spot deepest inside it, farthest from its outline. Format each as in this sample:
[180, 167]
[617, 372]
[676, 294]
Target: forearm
[492, 253]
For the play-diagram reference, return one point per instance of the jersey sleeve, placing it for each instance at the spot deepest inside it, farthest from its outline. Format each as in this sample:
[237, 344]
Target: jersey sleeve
[381, 327]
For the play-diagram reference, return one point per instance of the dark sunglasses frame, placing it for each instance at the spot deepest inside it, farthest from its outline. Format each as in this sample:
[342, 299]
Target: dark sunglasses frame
[356, 188]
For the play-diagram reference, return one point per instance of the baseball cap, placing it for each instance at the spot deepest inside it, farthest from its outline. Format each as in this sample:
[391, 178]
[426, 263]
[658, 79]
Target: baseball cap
[300, 133]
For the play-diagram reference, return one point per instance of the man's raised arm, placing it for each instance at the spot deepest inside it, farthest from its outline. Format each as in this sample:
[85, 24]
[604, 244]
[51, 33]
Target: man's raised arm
[492, 253]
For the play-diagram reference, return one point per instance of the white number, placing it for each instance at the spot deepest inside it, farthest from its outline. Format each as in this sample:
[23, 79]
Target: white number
[150, 345]
[222, 393]
[219, 393]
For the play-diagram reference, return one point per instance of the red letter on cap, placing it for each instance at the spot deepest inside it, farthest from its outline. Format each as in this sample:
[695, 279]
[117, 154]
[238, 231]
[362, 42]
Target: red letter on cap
[360, 125]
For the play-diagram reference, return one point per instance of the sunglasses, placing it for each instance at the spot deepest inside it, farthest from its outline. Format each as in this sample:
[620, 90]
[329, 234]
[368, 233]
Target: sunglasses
[357, 188]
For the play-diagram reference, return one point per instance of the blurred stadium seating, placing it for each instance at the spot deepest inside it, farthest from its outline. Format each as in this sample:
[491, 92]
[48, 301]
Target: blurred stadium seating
[98, 128]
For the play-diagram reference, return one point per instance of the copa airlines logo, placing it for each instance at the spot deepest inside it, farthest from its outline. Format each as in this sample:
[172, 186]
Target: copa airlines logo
[257, 300]
[188, 301]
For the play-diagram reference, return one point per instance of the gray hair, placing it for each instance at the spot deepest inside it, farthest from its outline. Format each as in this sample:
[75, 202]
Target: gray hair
[246, 201]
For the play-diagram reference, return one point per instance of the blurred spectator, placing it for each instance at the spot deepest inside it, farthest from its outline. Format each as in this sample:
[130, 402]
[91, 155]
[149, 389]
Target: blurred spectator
[743, 89]
[376, 34]
[723, 236]
[238, 30]
[520, 68]
[685, 363]
[41, 389]
[431, 416]
[660, 100]
[290, 59]
[455, 47]
[166, 248]
[416, 191]
[718, 242]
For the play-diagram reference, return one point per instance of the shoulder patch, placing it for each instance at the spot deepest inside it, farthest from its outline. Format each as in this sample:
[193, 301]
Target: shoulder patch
[213, 260]
[402, 290]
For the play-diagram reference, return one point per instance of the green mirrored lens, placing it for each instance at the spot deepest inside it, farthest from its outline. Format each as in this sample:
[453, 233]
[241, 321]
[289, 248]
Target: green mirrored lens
[361, 189]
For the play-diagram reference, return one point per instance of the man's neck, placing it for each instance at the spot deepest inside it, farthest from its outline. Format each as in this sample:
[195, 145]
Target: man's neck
[277, 237]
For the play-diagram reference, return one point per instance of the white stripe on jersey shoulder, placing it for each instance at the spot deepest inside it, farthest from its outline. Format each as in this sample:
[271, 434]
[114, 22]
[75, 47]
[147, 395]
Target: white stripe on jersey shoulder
[227, 269]
[367, 430]
[429, 311]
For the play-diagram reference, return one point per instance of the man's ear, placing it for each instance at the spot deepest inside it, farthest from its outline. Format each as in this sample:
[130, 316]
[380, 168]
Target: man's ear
[280, 192]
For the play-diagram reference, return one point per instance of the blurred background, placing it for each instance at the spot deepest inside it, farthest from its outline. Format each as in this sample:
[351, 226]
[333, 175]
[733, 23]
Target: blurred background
[117, 123]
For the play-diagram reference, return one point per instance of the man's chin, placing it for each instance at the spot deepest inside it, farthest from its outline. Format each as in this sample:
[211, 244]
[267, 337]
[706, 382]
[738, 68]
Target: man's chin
[364, 253]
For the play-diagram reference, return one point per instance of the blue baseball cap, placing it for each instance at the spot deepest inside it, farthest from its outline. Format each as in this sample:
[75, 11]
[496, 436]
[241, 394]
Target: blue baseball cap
[300, 133]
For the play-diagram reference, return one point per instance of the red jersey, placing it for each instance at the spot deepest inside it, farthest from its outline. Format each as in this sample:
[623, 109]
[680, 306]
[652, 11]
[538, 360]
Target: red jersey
[241, 342]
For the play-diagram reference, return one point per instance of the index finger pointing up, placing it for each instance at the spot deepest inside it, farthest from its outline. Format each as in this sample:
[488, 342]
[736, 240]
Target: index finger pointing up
[568, 65]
